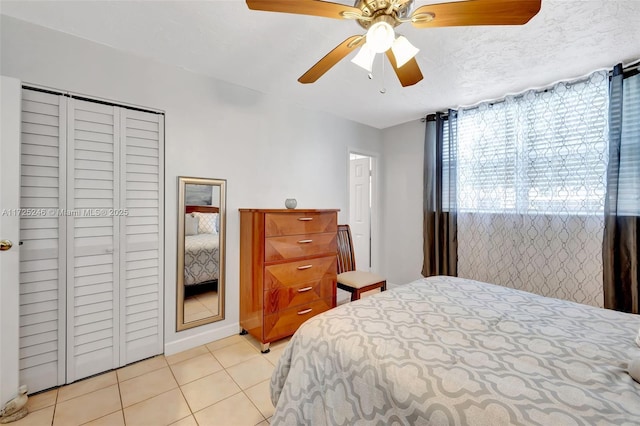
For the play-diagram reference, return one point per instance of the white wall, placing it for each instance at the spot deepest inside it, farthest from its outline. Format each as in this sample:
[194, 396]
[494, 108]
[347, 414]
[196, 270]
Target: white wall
[402, 159]
[267, 149]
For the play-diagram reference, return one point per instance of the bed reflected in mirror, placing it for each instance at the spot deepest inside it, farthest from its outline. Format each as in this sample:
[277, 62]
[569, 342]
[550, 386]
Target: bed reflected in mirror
[201, 231]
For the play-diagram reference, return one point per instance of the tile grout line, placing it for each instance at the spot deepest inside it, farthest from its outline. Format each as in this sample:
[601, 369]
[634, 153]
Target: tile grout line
[108, 414]
[254, 404]
[231, 396]
[238, 384]
[146, 399]
[118, 381]
[179, 386]
[243, 390]
[55, 406]
[124, 419]
[227, 373]
[191, 414]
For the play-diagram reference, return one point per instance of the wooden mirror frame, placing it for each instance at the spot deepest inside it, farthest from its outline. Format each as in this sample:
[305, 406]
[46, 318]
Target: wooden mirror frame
[182, 210]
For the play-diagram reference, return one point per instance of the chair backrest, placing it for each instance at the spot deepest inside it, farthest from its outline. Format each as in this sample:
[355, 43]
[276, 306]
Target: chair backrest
[346, 258]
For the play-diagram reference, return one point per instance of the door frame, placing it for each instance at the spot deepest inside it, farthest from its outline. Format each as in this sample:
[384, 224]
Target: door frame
[375, 203]
[10, 229]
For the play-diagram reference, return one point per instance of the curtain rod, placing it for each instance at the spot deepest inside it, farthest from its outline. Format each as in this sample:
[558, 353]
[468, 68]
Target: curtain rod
[631, 67]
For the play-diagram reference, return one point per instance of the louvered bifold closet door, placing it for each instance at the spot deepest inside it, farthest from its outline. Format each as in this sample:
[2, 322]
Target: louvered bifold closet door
[42, 253]
[91, 279]
[92, 235]
[141, 180]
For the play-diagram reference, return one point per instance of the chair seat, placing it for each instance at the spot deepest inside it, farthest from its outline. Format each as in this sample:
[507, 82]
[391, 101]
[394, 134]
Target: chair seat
[359, 279]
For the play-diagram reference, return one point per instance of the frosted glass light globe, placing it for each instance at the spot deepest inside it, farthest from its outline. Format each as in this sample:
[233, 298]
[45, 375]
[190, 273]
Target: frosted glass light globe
[380, 37]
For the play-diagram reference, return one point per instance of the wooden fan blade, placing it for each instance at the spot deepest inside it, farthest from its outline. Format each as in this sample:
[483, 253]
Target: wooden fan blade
[478, 12]
[408, 74]
[331, 58]
[304, 7]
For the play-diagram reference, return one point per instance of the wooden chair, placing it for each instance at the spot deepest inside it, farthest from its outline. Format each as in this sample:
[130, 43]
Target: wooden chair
[349, 279]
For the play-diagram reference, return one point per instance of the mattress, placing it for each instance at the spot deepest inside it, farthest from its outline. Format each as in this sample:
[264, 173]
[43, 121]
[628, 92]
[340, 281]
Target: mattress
[450, 351]
[201, 258]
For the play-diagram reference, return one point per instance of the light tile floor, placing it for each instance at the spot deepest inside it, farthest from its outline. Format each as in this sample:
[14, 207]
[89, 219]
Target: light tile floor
[225, 382]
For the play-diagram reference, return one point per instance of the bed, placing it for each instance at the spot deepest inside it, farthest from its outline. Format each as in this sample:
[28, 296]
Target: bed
[451, 351]
[201, 248]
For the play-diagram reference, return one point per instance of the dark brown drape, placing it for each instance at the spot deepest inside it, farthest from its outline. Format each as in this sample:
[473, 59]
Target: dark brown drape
[440, 241]
[620, 250]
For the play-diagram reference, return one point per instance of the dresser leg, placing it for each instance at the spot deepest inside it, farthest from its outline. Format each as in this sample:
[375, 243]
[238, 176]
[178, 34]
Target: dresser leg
[243, 332]
[264, 348]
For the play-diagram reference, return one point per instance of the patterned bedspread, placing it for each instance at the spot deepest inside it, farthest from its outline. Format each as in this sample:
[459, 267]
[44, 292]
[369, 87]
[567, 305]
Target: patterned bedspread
[201, 258]
[449, 351]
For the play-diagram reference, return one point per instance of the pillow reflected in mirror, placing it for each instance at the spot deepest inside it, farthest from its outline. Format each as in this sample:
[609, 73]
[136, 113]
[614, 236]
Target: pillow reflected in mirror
[191, 224]
[208, 222]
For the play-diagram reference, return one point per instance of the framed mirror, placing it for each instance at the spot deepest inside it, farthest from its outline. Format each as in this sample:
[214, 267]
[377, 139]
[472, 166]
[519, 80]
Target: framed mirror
[201, 251]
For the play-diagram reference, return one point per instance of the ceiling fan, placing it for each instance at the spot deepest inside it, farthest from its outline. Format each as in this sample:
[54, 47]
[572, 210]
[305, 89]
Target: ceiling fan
[380, 17]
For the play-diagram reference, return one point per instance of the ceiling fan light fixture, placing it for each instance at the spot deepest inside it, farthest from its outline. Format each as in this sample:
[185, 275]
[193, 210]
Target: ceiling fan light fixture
[380, 35]
[380, 17]
[365, 57]
[403, 50]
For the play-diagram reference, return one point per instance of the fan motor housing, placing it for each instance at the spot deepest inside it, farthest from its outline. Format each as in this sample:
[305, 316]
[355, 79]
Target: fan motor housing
[374, 8]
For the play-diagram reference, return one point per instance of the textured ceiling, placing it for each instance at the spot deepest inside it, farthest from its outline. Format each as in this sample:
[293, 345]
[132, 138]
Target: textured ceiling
[269, 51]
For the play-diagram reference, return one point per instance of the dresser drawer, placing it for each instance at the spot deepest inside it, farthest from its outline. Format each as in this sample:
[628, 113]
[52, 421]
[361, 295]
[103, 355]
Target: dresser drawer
[292, 273]
[285, 323]
[291, 247]
[294, 223]
[281, 298]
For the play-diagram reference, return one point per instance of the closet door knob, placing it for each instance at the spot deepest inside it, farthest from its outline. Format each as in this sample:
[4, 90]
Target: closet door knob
[5, 245]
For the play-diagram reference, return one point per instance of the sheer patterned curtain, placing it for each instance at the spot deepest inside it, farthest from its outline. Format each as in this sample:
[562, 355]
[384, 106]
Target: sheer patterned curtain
[622, 210]
[531, 188]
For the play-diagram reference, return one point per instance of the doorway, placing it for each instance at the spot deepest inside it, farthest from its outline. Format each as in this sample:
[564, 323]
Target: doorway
[362, 208]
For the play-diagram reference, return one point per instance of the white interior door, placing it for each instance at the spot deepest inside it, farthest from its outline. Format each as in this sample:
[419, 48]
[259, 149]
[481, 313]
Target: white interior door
[42, 253]
[360, 210]
[10, 94]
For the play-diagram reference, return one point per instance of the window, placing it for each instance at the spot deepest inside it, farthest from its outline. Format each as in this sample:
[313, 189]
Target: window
[629, 175]
[537, 153]
[447, 166]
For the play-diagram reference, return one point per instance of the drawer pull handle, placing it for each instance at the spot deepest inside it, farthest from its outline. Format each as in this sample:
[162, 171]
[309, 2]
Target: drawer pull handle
[305, 219]
[305, 241]
[302, 290]
[300, 268]
[306, 311]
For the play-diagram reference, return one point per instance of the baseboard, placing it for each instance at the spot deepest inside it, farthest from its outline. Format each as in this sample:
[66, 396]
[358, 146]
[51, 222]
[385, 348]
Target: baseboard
[200, 339]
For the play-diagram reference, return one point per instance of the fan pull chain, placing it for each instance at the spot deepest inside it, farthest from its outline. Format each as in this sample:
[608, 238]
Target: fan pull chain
[383, 89]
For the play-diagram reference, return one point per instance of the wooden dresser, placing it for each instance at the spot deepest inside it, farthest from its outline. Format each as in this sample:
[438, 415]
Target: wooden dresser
[287, 269]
